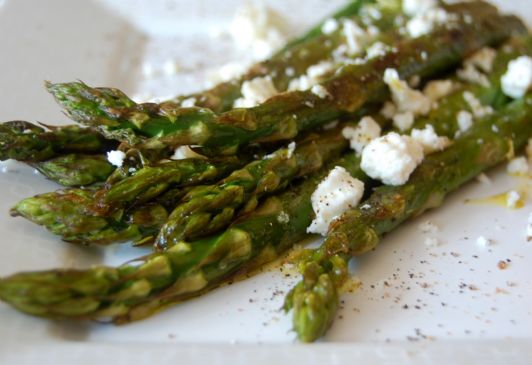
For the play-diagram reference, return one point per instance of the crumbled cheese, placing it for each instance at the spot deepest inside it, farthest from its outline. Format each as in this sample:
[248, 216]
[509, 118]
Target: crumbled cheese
[290, 71]
[423, 23]
[255, 92]
[469, 73]
[377, 49]
[283, 218]
[184, 152]
[430, 141]
[320, 91]
[337, 193]
[476, 106]
[391, 158]
[518, 166]
[529, 228]
[116, 158]
[484, 179]
[290, 149]
[483, 59]
[365, 131]
[403, 121]
[415, 7]
[353, 34]
[315, 72]
[259, 29]
[189, 102]
[483, 241]
[300, 83]
[464, 120]
[432, 242]
[428, 227]
[388, 110]
[513, 199]
[518, 79]
[405, 98]
[437, 89]
[330, 26]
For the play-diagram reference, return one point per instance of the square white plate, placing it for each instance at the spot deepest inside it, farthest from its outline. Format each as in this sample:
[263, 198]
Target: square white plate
[449, 304]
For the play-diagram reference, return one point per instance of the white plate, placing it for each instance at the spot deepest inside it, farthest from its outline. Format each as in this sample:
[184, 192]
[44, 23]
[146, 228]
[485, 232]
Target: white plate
[469, 310]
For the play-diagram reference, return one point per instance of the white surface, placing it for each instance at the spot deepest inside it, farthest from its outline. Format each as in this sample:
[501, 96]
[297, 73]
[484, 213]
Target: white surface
[62, 40]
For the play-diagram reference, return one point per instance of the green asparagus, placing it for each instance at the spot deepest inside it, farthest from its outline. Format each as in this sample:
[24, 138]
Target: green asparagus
[315, 299]
[283, 116]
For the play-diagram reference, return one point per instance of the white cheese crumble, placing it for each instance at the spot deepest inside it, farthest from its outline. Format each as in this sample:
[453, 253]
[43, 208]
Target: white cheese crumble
[432, 242]
[423, 23]
[469, 73]
[388, 110]
[529, 228]
[255, 92]
[184, 152]
[405, 98]
[337, 193]
[483, 59]
[513, 198]
[320, 91]
[391, 158]
[315, 72]
[437, 89]
[377, 49]
[483, 241]
[354, 35]
[403, 121]
[259, 29]
[518, 79]
[464, 120]
[189, 102]
[430, 141]
[415, 7]
[476, 106]
[518, 166]
[428, 227]
[329, 26]
[364, 132]
[116, 158]
[290, 149]
[312, 77]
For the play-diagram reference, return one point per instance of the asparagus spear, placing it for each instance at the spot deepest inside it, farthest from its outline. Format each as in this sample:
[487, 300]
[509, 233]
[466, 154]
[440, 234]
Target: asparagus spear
[25, 141]
[75, 169]
[283, 116]
[208, 209]
[134, 291]
[67, 213]
[315, 299]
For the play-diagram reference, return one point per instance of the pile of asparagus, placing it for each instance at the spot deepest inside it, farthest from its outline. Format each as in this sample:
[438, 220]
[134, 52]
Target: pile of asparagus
[247, 199]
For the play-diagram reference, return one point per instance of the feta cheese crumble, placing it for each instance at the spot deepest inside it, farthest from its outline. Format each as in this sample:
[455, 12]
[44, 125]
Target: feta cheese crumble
[290, 149]
[424, 22]
[405, 98]
[428, 227]
[429, 140]
[432, 242]
[255, 92]
[320, 91]
[518, 79]
[184, 152]
[513, 199]
[483, 59]
[518, 166]
[391, 158]
[337, 193]
[258, 28]
[116, 158]
[415, 7]
[437, 89]
[403, 121]
[330, 26]
[483, 242]
[364, 132]
[476, 106]
[464, 120]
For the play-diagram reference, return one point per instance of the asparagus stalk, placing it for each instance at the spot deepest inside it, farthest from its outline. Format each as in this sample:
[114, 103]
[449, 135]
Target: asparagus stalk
[28, 142]
[285, 115]
[315, 299]
[136, 290]
[75, 169]
[207, 209]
